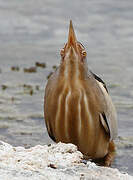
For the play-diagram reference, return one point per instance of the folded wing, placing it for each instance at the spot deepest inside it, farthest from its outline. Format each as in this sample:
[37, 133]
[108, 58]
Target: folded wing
[108, 116]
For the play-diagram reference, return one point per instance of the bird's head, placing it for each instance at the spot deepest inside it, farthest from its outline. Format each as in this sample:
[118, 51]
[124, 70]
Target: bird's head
[73, 54]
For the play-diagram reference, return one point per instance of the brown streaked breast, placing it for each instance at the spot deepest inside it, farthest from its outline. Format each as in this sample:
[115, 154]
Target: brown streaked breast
[73, 118]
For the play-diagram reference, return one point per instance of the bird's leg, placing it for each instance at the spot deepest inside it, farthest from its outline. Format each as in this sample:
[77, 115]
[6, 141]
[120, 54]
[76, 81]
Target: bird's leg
[108, 159]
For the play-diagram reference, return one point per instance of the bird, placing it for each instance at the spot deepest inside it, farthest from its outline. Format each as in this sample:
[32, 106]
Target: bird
[77, 106]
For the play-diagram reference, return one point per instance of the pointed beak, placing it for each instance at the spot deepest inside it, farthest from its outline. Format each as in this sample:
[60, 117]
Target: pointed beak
[72, 41]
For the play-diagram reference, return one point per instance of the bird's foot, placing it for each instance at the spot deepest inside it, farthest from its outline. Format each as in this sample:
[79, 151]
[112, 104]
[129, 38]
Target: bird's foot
[109, 158]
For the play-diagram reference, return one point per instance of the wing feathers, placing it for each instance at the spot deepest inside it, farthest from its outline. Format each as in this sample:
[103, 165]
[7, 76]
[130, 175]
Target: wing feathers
[104, 122]
[108, 116]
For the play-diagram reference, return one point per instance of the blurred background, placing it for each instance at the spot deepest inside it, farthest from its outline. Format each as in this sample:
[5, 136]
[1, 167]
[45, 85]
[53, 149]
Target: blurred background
[31, 36]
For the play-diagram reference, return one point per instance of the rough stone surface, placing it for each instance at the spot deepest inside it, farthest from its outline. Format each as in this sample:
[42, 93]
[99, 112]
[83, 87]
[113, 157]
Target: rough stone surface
[54, 162]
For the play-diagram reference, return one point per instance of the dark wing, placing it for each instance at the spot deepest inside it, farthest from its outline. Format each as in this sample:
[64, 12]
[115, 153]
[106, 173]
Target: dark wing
[49, 87]
[100, 80]
[51, 134]
[108, 116]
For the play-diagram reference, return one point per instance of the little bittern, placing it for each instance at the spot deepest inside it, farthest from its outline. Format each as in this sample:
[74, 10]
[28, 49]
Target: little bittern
[77, 106]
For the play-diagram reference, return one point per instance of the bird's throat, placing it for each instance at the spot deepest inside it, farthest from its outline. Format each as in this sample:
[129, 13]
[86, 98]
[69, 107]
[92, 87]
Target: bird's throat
[71, 71]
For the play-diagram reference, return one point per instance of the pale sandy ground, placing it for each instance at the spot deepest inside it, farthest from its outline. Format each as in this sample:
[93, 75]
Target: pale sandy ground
[57, 161]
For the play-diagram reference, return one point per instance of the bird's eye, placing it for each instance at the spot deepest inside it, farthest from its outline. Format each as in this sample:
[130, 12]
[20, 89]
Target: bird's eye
[62, 52]
[84, 53]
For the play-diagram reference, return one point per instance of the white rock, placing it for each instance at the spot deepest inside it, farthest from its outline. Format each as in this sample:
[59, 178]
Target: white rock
[58, 161]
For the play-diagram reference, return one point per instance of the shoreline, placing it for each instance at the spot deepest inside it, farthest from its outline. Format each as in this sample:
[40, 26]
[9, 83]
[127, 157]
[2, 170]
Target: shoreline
[55, 161]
